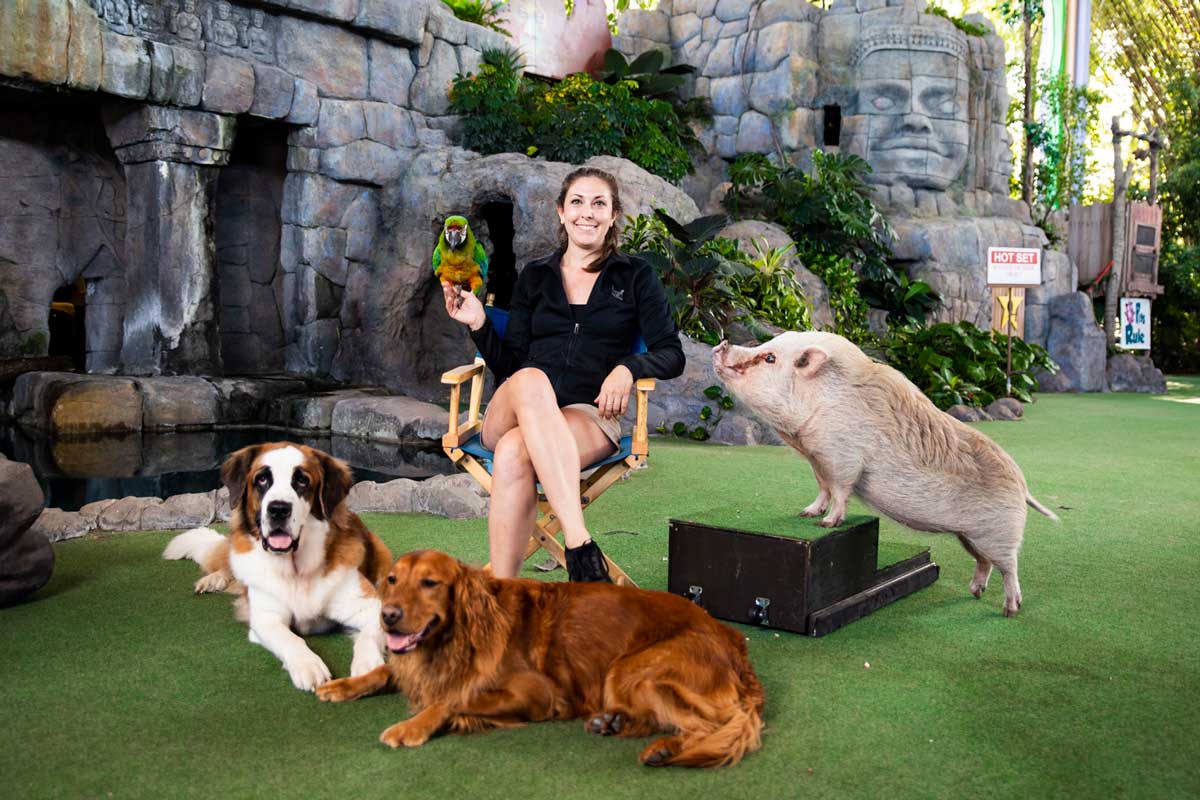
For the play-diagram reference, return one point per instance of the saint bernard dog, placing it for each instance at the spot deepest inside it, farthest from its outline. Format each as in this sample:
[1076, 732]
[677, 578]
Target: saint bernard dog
[302, 561]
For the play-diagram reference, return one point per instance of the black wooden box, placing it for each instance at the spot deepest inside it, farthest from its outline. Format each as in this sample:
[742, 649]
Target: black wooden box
[809, 580]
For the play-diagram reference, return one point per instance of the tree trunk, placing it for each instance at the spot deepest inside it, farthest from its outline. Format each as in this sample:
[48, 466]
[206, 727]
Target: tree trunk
[1027, 157]
[1113, 291]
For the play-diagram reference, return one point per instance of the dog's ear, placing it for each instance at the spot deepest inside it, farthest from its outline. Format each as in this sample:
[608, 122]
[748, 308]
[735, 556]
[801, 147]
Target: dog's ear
[811, 360]
[234, 472]
[475, 606]
[335, 483]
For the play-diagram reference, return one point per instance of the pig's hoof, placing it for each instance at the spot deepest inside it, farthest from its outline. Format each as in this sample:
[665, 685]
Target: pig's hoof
[1011, 607]
[829, 523]
[978, 589]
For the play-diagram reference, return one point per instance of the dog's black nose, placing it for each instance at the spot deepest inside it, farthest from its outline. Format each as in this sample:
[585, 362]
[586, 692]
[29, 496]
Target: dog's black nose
[391, 615]
[279, 510]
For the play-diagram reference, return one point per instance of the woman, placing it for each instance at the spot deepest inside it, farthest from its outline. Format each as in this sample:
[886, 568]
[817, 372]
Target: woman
[566, 371]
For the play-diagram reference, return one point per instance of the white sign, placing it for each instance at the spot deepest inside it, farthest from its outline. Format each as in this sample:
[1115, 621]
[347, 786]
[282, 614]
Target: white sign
[1014, 266]
[1135, 323]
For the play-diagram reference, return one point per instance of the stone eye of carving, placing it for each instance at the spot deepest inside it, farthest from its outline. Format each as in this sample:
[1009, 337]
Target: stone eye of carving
[948, 107]
[883, 103]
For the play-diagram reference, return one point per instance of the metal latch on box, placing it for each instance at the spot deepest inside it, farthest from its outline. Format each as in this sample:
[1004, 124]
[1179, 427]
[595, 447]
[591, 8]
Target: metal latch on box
[694, 593]
[758, 614]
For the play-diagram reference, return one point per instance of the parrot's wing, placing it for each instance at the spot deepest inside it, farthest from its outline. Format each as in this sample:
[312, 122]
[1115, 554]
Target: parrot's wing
[437, 259]
[481, 259]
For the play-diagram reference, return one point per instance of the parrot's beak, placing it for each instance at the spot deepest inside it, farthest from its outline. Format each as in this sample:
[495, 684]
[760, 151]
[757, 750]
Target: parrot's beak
[455, 237]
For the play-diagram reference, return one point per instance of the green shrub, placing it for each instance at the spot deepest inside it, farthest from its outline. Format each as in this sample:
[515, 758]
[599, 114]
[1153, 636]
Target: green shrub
[958, 364]
[577, 118]
[710, 282]
[969, 28]
[830, 216]
[480, 12]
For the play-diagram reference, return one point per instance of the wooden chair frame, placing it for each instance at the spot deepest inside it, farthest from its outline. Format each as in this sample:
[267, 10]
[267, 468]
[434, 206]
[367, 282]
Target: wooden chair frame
[594, 481]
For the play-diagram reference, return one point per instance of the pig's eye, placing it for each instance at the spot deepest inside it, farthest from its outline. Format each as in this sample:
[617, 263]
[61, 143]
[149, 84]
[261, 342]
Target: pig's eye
[391, 579]
[770, 358]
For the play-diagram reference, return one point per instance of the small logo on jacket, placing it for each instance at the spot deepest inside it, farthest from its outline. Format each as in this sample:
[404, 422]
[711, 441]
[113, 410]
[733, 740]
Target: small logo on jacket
[619, 294]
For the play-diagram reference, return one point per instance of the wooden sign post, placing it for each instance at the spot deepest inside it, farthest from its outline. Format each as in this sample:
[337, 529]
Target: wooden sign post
[1009, 271]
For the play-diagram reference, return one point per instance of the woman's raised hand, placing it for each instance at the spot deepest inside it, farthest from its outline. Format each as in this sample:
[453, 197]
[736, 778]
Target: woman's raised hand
[463, 306]
[614, 393]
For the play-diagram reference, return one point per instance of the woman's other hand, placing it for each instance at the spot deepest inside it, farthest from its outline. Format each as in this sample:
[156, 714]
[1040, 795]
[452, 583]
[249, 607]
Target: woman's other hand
[463, 306]
[614, 393]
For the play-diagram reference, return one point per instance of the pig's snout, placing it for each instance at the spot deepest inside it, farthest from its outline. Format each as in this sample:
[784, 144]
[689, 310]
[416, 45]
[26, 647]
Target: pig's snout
[718, 352]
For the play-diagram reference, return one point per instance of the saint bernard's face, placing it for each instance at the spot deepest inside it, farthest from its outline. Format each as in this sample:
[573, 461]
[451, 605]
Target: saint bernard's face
[280, 488]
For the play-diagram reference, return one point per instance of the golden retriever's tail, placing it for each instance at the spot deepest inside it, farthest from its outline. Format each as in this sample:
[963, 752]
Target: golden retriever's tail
[723, 744]
[210, 550]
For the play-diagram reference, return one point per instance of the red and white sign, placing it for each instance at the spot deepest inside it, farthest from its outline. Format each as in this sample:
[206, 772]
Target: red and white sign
[1014, 266]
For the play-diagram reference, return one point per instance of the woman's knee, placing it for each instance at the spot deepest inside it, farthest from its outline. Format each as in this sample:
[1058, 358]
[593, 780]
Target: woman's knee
[530, 383]
[510, 459]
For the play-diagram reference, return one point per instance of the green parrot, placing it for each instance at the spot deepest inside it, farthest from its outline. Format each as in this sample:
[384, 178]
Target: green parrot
[458, 258]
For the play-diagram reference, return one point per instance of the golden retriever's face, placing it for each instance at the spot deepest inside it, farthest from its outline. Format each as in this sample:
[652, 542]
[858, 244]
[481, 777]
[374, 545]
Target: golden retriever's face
[418, 598]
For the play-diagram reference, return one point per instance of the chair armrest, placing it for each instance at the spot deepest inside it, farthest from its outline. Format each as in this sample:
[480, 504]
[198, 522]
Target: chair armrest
[641, 439]
[456, 378]
[460, 375]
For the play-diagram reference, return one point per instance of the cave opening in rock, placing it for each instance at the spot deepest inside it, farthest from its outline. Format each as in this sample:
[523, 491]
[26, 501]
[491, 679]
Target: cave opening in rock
[68, 309]
[832, 126]
[247, 230]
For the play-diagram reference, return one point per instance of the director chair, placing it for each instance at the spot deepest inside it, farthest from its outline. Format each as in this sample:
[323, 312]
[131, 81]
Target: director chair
[463, 445]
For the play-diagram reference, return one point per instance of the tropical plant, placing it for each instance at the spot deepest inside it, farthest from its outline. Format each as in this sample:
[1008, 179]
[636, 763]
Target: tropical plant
[831, 217]
[481, 12]
[579, 117]
[653, 79]
[772, 292]
[1176, 314]
[697, 277]
[958, 364]
[491, 104]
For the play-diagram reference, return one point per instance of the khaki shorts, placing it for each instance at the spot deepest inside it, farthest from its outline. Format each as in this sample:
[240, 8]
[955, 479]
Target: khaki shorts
[610, 427]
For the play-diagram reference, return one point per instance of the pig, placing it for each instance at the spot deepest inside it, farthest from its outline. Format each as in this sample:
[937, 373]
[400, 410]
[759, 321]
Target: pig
[867, 430]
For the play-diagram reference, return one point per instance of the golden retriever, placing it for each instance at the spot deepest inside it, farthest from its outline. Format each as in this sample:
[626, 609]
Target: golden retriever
[473, 652]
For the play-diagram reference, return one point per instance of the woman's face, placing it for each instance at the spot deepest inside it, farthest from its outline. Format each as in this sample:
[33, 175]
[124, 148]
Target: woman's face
[587, 213]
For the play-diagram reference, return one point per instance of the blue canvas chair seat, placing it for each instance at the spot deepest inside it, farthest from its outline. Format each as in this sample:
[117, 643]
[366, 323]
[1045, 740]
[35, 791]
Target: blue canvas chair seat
[464, 447]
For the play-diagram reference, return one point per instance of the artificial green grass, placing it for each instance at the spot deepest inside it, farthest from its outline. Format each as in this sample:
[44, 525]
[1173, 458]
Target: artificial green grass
[117, 681]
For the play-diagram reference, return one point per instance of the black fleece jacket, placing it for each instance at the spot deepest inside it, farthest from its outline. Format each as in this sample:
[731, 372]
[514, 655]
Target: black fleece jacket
[627, 299]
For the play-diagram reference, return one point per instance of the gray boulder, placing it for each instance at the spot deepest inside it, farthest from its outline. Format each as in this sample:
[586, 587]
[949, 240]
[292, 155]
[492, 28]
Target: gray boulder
[26, 558]
[1129, 373]
[1006, 408]
[1077, 345]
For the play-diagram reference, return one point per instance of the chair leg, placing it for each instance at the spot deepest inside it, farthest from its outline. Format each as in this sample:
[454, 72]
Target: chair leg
[545, 535]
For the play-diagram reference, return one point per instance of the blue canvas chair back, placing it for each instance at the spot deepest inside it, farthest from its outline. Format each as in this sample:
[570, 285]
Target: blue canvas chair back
[474, 446]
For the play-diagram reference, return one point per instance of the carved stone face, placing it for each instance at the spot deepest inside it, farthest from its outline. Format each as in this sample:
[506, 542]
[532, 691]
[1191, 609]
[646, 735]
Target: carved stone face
[913, 116]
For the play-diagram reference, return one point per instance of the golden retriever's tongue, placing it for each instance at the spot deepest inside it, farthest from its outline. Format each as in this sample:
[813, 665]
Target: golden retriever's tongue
[396, 642]
[279, 540]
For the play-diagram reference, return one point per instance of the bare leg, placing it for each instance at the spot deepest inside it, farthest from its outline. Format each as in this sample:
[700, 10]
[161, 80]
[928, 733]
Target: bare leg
[569, 441]
[839, 496]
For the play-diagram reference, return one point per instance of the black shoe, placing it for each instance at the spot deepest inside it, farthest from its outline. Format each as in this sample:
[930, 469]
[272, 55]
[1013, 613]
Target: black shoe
[586, 563]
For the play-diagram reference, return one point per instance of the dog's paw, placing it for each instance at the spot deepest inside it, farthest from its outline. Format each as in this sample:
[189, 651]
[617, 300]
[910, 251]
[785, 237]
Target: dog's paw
[213, 582]
[404, 734]
[307, 672]
[336, 691]
[659, 753]
[606, 724]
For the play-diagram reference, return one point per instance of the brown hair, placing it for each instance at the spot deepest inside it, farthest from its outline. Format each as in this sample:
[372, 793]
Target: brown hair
[613, 235]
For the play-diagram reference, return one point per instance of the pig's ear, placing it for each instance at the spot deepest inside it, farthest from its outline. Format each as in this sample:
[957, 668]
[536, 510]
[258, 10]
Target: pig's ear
[810, 361]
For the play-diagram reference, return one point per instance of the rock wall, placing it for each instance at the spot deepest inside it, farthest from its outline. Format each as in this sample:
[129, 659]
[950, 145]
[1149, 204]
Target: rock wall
[355, 86]
[62, 217]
